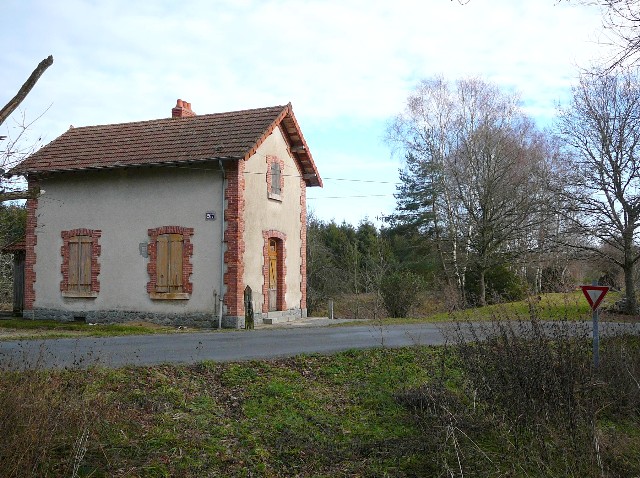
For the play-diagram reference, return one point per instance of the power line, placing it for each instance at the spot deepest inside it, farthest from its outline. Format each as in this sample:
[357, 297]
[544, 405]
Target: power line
[355, 196]
[370, 181]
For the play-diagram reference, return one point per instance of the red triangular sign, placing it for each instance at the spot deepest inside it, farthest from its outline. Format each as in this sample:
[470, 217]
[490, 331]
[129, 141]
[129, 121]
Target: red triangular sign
[594, 294]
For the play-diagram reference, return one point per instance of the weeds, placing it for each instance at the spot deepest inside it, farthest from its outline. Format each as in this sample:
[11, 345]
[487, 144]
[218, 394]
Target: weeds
[524, 399]
[39, 412]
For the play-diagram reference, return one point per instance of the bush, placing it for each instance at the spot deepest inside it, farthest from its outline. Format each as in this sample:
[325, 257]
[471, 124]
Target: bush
[400, 292]
[556, 279]
[502, 285]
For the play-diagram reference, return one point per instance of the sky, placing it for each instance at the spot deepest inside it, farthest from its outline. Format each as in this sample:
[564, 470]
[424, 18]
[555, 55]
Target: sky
[347, 67]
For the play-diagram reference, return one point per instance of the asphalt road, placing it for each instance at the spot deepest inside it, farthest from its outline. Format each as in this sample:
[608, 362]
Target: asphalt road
[225, 346]
[217, 346]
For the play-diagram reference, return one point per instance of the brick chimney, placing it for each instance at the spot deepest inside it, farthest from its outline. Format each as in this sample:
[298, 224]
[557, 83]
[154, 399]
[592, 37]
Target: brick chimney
[182, 110]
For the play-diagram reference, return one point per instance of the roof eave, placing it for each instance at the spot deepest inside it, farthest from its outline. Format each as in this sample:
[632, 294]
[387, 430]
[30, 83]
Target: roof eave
[303, 156]
[179, 163]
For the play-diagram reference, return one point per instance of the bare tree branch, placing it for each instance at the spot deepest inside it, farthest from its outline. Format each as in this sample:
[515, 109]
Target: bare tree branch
[25, 89]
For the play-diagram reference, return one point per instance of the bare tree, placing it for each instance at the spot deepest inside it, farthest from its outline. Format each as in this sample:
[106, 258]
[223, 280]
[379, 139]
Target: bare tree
[13, 151]
[474, 179]
[426, 133]
[499, 172]
[601, 127]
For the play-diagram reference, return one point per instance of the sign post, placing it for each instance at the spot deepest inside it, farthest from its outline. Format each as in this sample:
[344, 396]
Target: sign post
[594, 294]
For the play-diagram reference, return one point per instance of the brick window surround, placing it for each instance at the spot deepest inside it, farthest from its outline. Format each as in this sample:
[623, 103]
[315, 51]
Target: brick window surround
[92, 236]
[281, 250]
[187, 266]
[274, 162]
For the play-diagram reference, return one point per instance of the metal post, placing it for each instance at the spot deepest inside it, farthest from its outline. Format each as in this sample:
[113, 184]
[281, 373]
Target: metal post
[331, 309]
[596, 335]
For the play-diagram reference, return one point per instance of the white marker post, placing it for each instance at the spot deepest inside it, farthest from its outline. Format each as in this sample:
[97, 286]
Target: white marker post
[594, 294]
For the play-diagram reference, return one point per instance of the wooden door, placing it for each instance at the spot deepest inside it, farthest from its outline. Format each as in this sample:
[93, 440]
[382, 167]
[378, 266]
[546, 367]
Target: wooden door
[18, 283]
[273, 274]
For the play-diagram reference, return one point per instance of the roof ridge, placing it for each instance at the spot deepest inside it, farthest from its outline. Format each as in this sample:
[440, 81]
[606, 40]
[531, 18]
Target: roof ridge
[169, 118]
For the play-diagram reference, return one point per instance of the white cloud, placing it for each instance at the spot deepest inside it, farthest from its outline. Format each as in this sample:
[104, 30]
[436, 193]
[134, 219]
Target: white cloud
[351, 61]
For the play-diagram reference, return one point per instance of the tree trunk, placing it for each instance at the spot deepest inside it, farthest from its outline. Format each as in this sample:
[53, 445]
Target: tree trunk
[483, 288]
[629, 281]
[629, 289]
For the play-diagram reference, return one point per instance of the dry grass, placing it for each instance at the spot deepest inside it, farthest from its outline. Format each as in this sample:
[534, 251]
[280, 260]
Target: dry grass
[522, 403]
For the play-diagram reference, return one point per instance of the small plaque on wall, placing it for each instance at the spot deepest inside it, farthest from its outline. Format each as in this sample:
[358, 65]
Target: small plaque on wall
[210, 216]
[144, 251]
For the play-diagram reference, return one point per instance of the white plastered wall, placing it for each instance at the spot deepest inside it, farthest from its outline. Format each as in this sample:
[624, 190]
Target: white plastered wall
[263, 214]
[124, 204]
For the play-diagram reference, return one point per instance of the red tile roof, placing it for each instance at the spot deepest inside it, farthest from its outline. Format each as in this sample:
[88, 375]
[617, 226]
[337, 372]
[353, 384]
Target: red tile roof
[236, 134]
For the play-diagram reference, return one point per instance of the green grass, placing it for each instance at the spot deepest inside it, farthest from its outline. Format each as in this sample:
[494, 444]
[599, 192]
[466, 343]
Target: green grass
[352, 414]
[14, 329]
[552, 306]
[279, 418]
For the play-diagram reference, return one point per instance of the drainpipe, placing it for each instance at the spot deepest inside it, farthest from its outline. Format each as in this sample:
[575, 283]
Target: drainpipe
[221, 296]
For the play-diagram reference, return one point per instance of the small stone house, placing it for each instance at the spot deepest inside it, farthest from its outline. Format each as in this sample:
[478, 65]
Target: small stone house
[170, 220]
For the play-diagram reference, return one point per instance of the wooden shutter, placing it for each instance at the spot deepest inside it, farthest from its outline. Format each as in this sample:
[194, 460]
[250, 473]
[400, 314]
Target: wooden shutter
[84, 274]
[175, 263]
[74, 265]
[80, 249]
[162, 263]
[169, 263]
[275, 177]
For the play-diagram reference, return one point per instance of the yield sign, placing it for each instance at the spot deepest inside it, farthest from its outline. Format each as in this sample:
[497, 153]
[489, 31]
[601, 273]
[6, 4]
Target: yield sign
[594, 294]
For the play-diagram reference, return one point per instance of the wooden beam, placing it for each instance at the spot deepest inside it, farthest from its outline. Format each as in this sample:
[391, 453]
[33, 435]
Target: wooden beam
[15, 195]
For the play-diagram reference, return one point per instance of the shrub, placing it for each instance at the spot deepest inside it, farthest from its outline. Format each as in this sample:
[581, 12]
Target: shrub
[502, 284]
[400, 291]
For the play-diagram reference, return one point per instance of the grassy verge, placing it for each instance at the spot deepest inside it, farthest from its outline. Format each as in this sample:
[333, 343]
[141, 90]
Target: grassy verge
[15, 329]
[570, 306]
[556, 306]
[490, 409]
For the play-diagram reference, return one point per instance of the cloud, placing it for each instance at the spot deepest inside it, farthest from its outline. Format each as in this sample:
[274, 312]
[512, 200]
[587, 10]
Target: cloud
[340, 62]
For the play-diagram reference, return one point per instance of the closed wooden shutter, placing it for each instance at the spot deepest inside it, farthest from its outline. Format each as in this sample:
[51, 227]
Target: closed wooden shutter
[80, 248]
[162, 263]
[175, 263]
[169, 263]
[275, 178]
